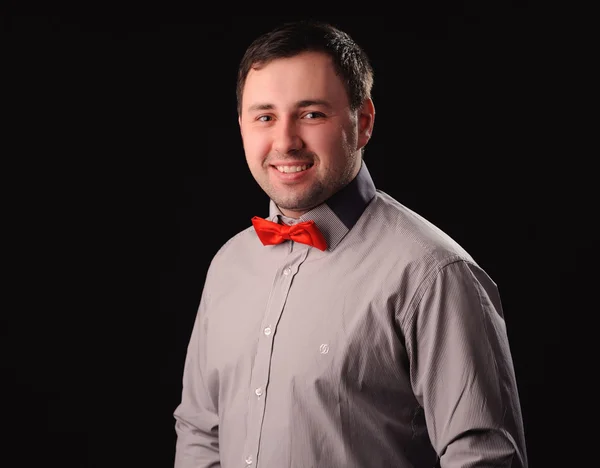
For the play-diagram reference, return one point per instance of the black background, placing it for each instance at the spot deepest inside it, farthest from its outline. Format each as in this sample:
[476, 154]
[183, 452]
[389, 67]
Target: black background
[124, 151]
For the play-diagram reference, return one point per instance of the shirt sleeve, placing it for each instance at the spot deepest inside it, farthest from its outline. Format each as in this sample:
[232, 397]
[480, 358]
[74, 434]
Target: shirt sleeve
[462, 372]
[197, 422]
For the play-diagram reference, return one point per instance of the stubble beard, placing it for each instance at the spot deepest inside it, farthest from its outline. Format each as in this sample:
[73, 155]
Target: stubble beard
[320, 189]
[315, 194]
[301, 201]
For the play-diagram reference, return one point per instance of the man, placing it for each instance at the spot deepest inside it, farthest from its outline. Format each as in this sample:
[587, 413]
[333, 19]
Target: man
[358, 336]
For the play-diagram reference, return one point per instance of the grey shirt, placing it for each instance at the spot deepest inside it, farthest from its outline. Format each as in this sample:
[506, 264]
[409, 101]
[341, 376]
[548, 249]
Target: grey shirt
[389, 349]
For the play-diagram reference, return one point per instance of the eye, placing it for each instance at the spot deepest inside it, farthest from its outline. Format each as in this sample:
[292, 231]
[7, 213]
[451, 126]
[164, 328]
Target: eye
[264, 118]
[313, 115]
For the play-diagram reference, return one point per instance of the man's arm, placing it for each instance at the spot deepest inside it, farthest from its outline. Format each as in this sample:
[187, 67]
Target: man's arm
[462, 370]
[197, 422]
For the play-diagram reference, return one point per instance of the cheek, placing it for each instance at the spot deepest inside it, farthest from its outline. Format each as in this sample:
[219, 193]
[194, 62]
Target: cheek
[256, 145]
[335, 141]
[324, 141]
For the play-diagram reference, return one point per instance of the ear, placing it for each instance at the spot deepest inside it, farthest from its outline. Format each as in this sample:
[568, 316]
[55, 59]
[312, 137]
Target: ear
[366, 121]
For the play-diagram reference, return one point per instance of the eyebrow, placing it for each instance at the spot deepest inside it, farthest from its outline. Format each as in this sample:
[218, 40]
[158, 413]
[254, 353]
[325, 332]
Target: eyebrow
[299, 105]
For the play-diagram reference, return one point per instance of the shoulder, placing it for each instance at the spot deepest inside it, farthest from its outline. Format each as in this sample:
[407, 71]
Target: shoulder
[409, 235]
[424, 260]
[235, 246]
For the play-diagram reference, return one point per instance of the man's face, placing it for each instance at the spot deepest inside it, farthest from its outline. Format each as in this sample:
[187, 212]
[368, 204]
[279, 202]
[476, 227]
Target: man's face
[302, 141]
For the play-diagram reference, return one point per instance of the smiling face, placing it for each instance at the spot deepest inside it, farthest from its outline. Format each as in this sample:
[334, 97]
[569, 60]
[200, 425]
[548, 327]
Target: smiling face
[301, 139]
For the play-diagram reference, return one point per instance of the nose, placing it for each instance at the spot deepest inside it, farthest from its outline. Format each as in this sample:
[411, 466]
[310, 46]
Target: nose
[286, 138]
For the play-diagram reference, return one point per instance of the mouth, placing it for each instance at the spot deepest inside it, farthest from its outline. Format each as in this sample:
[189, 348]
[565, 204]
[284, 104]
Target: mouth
[293, 169]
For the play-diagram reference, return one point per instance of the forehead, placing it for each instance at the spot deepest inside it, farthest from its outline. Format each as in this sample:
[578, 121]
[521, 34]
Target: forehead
[281, 82]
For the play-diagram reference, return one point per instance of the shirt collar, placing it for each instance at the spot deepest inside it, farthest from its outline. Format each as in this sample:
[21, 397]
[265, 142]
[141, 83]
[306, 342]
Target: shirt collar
[336, 216]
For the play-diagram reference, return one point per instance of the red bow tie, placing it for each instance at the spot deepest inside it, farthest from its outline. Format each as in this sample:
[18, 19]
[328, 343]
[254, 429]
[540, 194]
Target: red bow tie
[306, 232]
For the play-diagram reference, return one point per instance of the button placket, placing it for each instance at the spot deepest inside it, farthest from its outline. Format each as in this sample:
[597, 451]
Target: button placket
[261, 371]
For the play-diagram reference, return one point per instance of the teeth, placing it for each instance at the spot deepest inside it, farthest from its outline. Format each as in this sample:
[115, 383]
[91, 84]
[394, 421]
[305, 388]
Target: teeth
[288, 169]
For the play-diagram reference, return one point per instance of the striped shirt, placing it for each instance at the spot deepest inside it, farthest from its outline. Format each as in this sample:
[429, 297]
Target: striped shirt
[388, 349]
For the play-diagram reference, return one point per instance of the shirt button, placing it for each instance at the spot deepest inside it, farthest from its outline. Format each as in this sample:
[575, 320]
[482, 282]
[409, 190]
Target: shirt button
[267, 331]
[249, 460]
[287, 271]
[258, 391]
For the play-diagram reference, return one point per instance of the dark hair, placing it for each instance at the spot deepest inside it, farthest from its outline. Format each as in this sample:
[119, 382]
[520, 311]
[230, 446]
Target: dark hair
[350, 61]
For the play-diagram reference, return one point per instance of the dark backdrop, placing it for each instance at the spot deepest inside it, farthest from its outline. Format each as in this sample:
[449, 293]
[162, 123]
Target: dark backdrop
[127, 153]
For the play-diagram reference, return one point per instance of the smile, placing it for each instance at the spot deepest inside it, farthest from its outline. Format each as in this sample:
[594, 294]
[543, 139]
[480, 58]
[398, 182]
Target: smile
[290, 169]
